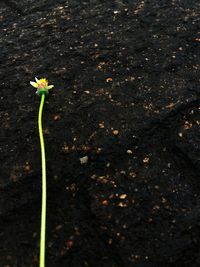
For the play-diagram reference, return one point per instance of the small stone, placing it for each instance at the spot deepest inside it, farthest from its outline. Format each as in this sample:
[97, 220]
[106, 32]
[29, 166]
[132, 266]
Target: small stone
[123, 196]
[84, 160]
[99, 149]
[146, 160]
[56, 118]
[27, 167]
[129, 151]
[164, 200]
[122, 205]
[115, 132]
[104, 202]
[133, 174]
[101, 125]
[109, 80]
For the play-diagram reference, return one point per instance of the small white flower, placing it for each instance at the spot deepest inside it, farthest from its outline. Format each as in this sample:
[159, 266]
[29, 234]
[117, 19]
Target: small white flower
[41, 85]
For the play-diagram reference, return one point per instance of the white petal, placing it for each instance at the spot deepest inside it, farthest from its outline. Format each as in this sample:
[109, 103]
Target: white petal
[34, 84]
[50, 86]
[36, 79]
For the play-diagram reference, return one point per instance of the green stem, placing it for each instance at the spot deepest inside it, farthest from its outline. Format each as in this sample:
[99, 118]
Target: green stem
[43, 211]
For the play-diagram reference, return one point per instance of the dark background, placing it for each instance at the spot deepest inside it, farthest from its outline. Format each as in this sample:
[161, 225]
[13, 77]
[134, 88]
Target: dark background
[126, 77]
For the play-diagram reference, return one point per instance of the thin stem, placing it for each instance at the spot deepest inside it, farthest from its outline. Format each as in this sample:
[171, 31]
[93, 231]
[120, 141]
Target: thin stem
[43, 211]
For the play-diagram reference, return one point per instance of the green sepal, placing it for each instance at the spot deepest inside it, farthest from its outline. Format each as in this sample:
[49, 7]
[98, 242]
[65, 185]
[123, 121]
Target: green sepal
[42, 91]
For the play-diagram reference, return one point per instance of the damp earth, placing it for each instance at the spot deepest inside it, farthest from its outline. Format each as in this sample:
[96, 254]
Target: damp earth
[121, 128]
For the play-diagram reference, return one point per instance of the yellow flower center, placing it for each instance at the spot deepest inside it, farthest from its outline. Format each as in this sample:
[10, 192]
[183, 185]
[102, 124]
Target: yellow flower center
[42, 83]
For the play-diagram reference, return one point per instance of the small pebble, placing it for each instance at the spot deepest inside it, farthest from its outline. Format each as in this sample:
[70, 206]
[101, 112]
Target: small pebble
[27, 167]
[101, 125]
[109, 80]
[146, 160]
[123, 196]
[56, 118]
[84, 160]
[104, 202]
[115, 132]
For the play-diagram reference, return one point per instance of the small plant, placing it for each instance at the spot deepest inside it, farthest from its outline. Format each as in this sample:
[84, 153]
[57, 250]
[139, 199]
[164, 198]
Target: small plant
[42, 90]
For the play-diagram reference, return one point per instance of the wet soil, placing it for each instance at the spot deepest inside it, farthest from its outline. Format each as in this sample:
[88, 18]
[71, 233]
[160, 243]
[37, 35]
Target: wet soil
[126, 97]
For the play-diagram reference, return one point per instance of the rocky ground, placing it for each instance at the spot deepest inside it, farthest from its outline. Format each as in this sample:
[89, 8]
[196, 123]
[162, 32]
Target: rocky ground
[126, 101]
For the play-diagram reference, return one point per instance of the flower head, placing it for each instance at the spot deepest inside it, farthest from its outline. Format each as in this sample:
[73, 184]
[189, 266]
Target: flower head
[42, 86]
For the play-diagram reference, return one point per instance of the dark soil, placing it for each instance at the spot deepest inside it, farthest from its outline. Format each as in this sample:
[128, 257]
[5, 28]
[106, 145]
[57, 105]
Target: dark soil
[126, 76]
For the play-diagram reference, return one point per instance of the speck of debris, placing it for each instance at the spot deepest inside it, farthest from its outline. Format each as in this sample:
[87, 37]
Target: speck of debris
[133, 174]
[123, 196]
[115, 132]
[122, 205]
[104, 202]
[84, 160]
[101, 125]
[146, 160]
[56, 118]
[109, 80]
